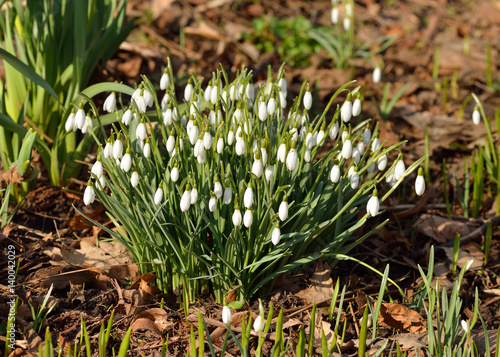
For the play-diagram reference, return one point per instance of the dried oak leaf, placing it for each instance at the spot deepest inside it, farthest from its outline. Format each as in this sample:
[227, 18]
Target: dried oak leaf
[12, 176]
[400, 317]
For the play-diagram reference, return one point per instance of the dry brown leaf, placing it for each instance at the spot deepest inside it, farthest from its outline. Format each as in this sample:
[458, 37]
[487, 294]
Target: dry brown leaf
[102, 257]
[400, 317]
[79, 222]
[466, 253]
[441, 229]
[321, 288]
[203, 29]
[12, 176]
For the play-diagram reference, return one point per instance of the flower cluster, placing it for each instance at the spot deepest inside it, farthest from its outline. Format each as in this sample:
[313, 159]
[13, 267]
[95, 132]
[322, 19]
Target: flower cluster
[235, 179]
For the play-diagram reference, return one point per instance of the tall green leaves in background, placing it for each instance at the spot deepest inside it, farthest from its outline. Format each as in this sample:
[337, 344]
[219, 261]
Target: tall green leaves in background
[50, 50]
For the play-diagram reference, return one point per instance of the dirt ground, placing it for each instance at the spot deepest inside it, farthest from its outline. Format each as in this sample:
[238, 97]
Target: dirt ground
[55, 247]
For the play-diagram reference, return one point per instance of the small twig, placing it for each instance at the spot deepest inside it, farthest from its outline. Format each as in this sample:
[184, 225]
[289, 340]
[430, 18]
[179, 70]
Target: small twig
[476, 232]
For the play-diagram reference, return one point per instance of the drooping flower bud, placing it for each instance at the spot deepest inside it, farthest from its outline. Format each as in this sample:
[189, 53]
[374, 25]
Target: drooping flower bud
[188, 91]
[308, 99]
[382, 162]
[127, 117]
[70, 122]
[186, 199]
[126, 162]
[400, 169]
[134, 179]
[373, 205]
[377, 75]
[217, 188]
[276, 235]
[212, 202]
[110, 103]
[80, 117]
[283, 209]
[248, 198]
[158, 195]
[346, 110]
[89, 194]
[420, 182]
[292, 158]
[476, 116]
[356, 107]
[140, 132]
[335, 173]
[174, 174]
[165, 79]
[97, 168]
[226, 315]
[248, 218]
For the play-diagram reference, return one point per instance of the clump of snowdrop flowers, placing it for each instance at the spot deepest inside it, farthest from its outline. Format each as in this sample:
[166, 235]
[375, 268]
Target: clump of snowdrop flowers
[232, 189]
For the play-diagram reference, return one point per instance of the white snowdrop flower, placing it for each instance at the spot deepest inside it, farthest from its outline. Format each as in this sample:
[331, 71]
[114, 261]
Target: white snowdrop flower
[276, 235]
[230, 137]
[257, 167]
[207, 140]
[400, 169]
[382, 162]
[469, 264]
[170, 142]
[224, 97]
[282, 99]
[97, 168]
[140, 103]
[375, 144]
[282, 84]
[356, 107]
[282, 151]
[102, 183]
[164, 101]
[237, 115]
[148, 98]
[350, 172]
[134, 179]
[226, 315]
[188, 91]
[347, 149]
[334, 131]
[70, 122]
[354, 179]
[201, 153]
[255, 146]
[186, 199]
[258, 324]
[465, 327]
[168, 115]
[194, 133]
[476, 116]
[263, 153]
[211, 116]
[189, 125]
[356, 155]
[87, 126]
[240, 146]
[348, 9]
[420, 183]
[237, 217]
[269, 173]
[371, 168]
[248, 218]
[367, 135]
[309, 139]
[308, 99]
[174, 174]
[283, 209]
[228, 194]
[194, 107]
[110, 103]
[164, 80]
[118, 148]
[146, 150]
[347, 23]
[389, 178]
[220, 145]
[320, 136]
[208, 92]
[80, 117]
[194, 195]
[335, 173]
[271, 106]
[335, 15]
[158, 196]
[89, 194]
[262, 110]
[250, 92]
[214, 95]
[377, 75]
[212, 203]
[217, 188]
[307, 155]
[108, 150]
[141, 132]
[344, 135]
[346, 110]
[373, 205]
[292, 158]
[248, 198]
[361, 146]
[126, 162]
[127, 117]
